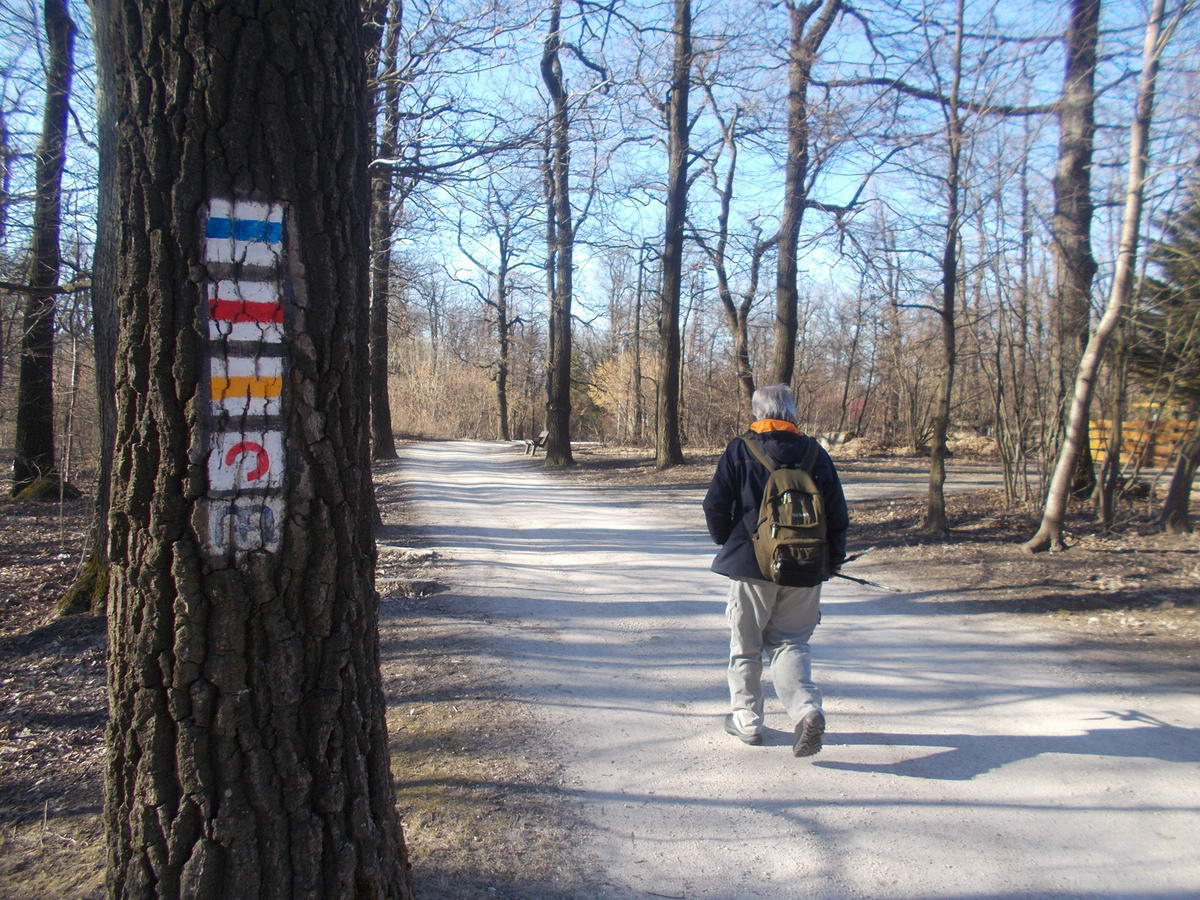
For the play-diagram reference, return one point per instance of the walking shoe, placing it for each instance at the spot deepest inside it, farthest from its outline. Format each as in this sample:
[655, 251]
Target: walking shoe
[808, 734]
[746, 737]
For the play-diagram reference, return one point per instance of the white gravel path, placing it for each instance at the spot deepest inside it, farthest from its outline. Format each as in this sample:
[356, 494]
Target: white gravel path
[966, 758]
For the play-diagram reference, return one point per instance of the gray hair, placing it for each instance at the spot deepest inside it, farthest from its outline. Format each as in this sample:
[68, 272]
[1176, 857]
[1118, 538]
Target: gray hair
[774, 401]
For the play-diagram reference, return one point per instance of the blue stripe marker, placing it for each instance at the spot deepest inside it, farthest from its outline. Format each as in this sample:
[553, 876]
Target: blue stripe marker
[245, 230]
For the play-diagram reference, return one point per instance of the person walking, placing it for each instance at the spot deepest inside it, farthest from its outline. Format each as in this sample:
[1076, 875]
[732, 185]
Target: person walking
[765, 615]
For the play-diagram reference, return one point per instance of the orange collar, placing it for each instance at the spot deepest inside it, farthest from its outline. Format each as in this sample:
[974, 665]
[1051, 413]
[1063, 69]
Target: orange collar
[764, 425]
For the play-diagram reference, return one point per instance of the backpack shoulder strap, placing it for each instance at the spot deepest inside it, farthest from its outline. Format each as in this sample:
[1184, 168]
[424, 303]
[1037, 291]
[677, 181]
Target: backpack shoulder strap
[759, 452]
[810, 455]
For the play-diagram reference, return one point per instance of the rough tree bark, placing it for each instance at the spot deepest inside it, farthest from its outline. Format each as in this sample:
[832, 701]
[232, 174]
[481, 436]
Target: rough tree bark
[1071, 226]
[562, 234]
[1050, 532]
[668, 448]
[34, 441]
[90, 588]
[803, 47]
[247, 745]
[383, 442]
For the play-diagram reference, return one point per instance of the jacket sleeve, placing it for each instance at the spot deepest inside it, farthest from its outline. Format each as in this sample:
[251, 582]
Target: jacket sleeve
[837, 514]
[720, 503]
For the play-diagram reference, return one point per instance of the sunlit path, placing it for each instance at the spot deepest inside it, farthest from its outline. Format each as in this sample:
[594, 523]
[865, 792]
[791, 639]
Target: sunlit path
[965, 757]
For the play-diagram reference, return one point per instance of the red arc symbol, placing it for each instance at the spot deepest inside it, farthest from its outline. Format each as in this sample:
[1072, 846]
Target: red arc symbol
[264, 460]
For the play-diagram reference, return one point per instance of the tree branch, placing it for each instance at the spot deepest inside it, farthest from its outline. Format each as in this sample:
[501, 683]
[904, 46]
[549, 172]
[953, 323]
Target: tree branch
[71, 287]
[926, 94]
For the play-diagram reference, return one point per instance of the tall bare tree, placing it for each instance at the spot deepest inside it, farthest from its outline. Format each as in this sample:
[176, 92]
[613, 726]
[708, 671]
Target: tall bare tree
[561, 247]
[1050, 532]
[505, 216]
[387, 92]
[1071, 226]
[668, 447]
[715, 243]
[935, 512]
[34, 443]
[90, 589]
[809, 24]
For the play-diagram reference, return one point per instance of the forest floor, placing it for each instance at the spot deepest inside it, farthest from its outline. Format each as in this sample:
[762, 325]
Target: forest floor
[1134, 592]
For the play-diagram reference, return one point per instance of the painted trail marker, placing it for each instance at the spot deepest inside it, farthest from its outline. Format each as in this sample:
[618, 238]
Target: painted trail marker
[246, 323]
[245, 311]
[245, 460]
[244, 524]
[244, 232]
[246, 386]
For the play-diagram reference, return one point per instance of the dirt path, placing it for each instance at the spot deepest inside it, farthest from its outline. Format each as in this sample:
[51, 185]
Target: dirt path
[967, 757]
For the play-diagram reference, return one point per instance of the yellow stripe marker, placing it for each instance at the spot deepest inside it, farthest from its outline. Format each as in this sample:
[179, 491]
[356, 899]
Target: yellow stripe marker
[241, 386]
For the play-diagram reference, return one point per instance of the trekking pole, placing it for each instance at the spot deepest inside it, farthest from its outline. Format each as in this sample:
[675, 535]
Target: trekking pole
[882, 587]
[859, 555]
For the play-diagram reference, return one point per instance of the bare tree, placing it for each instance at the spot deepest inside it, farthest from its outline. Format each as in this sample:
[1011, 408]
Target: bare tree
[716, 246]
[387, 93]
[34, 451]
[561, 242]
[90, 589]
[1074, 267]
[935, 512]
[1050, 533]
[668, 449]
[804, 45]
[506, 217]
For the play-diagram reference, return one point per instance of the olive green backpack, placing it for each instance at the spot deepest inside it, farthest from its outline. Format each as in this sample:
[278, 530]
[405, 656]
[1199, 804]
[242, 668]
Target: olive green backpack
[790, 540]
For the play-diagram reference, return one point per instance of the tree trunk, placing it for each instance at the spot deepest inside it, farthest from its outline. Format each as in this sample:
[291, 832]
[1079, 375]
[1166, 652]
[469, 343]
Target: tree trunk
[34, 441]
[72, 405]
[502, 335]
[5, 184]
[1109, 484]
[737, 315]
[90, 589]
[383, 442]
[935, 513]
[1049, 534]
[669, 450]
[247, 744]
[639, 411]
[851, 361]
[558, 376]
[1074, 266]
[802, 54]
[1174, 517]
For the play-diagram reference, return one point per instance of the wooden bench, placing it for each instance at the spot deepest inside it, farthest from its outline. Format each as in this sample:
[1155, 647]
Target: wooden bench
[532, 444]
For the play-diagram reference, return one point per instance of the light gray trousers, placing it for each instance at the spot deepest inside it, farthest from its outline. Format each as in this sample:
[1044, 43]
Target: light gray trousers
[780, 620]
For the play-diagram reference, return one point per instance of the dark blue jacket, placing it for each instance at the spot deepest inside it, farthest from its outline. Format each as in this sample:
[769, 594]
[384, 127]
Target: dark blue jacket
[731, 505]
